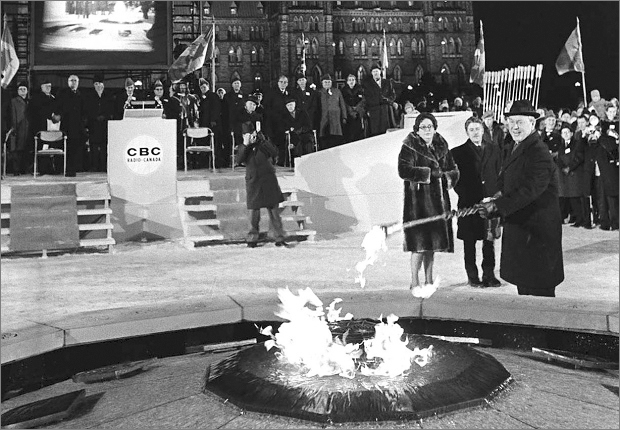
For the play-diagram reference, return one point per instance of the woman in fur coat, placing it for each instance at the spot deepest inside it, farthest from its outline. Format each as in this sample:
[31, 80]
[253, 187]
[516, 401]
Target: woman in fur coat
[429, 171]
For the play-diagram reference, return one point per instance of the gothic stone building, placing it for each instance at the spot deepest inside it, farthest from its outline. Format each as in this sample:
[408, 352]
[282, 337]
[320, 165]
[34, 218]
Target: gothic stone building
[258, 41]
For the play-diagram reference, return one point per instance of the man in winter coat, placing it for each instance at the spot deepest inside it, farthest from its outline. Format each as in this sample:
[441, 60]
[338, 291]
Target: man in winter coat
[571, 164]
[261, 183]
[72, 116]
[333, 114]
[380, 103]
[606, 156]
[529, 205]
[99, 110]
[479, 162]
[297, 124]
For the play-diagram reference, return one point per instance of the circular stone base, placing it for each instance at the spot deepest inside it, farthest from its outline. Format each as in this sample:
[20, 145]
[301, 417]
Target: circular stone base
[456, 377]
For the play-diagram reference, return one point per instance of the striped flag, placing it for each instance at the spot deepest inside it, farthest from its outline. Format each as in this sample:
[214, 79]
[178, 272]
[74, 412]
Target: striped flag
[193, 57]
[571, 56]
[9, 60]
[477, 70]
[384, 57]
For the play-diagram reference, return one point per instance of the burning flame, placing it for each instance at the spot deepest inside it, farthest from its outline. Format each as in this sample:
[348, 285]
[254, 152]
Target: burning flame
[306, 340]
[373, 242]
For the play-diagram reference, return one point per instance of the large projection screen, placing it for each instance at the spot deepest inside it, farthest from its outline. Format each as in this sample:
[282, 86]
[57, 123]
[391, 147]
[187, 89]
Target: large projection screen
[100, 35]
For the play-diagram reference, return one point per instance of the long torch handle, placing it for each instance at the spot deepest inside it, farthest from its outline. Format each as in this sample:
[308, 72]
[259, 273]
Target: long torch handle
[390, 229]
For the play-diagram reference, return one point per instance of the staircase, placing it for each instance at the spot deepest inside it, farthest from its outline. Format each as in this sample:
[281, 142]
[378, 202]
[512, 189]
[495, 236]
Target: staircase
[214, 211]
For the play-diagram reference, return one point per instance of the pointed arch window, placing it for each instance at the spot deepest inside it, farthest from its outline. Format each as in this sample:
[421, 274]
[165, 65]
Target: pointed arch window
[377, 24]
[231, 55]
[316, 23]
[461, 74]
[444, 46]
[372, 23]
[239, 54]
[459, 46]
[315, 47]
[229, 33]
[419, 72]
[363, 47]
[361, 74]
[373, 51]
[420, 24]
[393, 47]
[356, 47]
[299, 47]
[445, 74]
[234, 32]
[421, 47]
[451, 46]
[399, 48]
[261, 54]
[341, 47]
[414, 47]
[397, 73]
[363, 27]
[412, 25]
[254, 55]
[239, 33]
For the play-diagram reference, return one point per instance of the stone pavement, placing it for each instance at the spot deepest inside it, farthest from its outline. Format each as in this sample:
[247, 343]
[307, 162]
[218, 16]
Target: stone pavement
[145, 288]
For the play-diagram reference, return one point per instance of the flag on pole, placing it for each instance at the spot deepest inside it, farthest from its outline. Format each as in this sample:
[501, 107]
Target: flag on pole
[9, 60]
[477, 70]
[384, 57]
[571, 56]
[303, 54]
[193, 57]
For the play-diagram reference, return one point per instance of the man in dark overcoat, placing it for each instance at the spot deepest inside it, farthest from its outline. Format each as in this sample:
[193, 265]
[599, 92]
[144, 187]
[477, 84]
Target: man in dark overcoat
[479, 162]
[210, 115]
[529, 205]
[606, 156]
[333, 114]
[261, 182]
[298, 126]
[275, 114]
[570, 161]
[307, 99]
[100, 109]
[72, 116]
[233, 105]
[379, 94]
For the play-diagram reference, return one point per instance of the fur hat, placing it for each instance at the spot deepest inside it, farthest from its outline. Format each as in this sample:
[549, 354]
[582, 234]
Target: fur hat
[22, 84]
[128, 82]
[290, 99]
[202, 81]
[375, 65]
[235, 79]
[300, 75]
[98, 77]
[522, 107]
[252, 98]
[45, 81]
[158, 84]
[247, 127]
[326, 77]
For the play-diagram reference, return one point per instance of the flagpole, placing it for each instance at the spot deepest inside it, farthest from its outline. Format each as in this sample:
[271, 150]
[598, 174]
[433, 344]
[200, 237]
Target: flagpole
[213, 56]
[583, 73]
[383, 66]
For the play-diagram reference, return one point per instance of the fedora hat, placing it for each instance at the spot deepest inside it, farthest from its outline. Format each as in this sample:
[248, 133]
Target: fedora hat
[522, 107]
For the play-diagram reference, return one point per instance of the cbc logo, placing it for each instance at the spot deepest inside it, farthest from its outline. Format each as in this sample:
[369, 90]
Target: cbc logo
[143, 155]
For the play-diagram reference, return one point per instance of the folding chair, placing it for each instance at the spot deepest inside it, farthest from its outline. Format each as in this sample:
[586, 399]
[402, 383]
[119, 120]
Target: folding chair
[46, 139]
[189, 144]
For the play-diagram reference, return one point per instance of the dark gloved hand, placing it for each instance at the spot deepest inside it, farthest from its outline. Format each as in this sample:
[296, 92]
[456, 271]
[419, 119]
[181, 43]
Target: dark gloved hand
[486, 209]
[436, 173]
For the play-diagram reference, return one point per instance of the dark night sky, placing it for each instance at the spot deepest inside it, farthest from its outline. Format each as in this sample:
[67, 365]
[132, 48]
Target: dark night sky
[529, 33]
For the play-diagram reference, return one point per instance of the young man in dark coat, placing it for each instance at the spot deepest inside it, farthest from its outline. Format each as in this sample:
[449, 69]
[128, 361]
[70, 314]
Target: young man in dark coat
[380, 103]
[275, 114]
[571, 164]
[307, 99]
[261, 183]
[479, 162]
[353, 95]
[529, 206]
[233, 105]
[606, 156]
[210, 115]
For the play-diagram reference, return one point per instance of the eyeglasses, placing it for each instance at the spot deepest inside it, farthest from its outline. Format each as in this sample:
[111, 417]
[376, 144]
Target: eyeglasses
[426, 127]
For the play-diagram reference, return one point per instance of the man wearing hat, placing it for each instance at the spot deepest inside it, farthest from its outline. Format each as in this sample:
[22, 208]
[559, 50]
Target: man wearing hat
[261, 182]
[528, 204]
[210, 115]
[307, 99]
[99, 110]
[275, 115]
[234, 102]
[299, 128]
[550, 135]
[380, 103]
[71, 113]
[333, 114]
[42, 108]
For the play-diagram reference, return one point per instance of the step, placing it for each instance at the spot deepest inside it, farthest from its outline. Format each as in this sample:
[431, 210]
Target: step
[237, 195]
[197, 194]
[291, 203]
[106, 241]
[210, 222]
[6, 215]
[227, 183]
[97, 226]
[232, 210]
[4, 248]
[200, 208]
[5, 231]
[296, 218]
[101, 211]
[205, 238]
